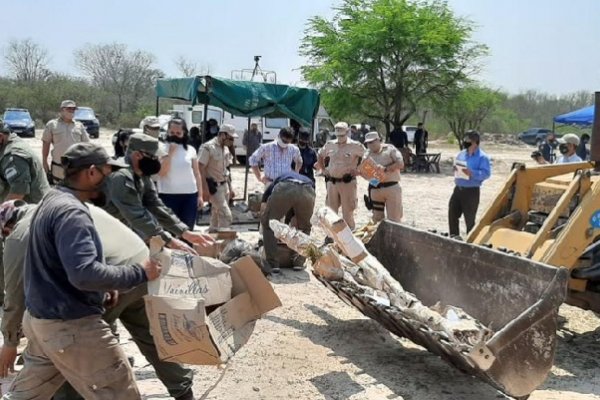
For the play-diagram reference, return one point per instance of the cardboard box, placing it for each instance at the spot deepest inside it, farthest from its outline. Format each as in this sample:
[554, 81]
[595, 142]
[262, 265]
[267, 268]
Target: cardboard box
[184, 333]
[187, 276]
[213, 250]
[224, 234]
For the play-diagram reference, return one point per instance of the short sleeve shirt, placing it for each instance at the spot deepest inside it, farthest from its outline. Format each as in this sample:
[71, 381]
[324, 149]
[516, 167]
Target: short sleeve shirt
[62, 135]
[343, 158]
[216, 159]
[180, 179]
[387, 156]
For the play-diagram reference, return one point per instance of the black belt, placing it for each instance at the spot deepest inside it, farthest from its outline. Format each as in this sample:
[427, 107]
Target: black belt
[338, 180]
[55, 163]
[384, 185]
[467, 187]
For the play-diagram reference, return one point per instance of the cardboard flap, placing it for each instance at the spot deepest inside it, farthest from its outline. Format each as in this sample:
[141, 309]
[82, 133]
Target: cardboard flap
[207, 267]
[246, 276]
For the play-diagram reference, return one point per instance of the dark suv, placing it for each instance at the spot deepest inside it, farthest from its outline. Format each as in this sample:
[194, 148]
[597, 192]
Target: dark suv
[534, 136]
[88, 118]
[19, 121]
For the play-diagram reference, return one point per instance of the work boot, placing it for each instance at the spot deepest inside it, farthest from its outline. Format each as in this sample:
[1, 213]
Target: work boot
[189, 395]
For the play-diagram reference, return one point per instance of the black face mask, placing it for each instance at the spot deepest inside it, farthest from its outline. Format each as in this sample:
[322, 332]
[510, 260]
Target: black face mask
[563, 148]
[466, 144]
[302, 144]
[149, 166]
[179, 140]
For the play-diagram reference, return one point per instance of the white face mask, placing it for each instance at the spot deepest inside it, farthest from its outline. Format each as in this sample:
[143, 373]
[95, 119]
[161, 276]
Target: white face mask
[281, 143]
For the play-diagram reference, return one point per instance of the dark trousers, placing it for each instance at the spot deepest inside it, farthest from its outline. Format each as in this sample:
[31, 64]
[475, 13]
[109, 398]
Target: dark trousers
[286, 197]
[184, 206]
[464, 201]
[131, 312]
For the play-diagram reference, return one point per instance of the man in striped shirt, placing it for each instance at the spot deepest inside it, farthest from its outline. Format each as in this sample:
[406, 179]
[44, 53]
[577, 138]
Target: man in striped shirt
[277, 157]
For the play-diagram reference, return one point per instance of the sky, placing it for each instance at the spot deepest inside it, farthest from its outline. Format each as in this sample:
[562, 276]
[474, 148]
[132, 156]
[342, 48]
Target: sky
[547, 45]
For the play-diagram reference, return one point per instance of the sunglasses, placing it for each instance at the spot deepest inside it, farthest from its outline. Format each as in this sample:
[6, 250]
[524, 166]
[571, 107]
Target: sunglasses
[152, 156]
[71, 109]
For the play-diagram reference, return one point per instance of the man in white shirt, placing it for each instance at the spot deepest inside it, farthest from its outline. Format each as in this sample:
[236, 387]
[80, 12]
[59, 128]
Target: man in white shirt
[567, 145]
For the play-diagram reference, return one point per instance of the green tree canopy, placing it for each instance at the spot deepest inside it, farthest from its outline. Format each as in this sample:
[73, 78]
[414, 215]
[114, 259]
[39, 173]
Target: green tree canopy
[383, 58]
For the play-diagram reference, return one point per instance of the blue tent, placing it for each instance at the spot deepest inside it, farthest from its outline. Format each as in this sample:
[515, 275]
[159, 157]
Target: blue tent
[583, 116]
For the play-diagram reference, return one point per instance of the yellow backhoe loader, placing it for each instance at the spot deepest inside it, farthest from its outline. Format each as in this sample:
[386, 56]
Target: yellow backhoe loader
[535, 247]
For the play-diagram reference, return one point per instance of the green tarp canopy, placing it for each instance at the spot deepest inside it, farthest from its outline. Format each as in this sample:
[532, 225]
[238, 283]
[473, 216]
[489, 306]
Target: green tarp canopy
[244, 98]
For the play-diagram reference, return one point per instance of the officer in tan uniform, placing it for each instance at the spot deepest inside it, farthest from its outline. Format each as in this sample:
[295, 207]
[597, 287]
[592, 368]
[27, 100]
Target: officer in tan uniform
[385, 197]
[338, 160]
[214, 157]
[61, 133]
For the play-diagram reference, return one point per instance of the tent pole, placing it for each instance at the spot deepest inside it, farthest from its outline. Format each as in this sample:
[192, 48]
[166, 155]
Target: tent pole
[247, 167]
[157, 99]
[205, 123]
[595, 140]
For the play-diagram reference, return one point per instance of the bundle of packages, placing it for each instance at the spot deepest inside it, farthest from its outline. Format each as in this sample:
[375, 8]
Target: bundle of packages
[358, 267]
[201, 310]
[371, 171]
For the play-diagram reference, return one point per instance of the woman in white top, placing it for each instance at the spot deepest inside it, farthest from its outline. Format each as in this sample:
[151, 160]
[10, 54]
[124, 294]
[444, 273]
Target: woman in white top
[179, 183]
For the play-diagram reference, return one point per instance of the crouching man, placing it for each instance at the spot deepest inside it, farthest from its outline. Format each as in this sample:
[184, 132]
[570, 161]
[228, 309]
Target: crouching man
[289, 193]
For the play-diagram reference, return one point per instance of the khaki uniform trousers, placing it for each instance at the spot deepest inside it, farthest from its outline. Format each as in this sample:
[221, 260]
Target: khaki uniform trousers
[392, 198]
[83, 351]
[220, 214]
[343, 194]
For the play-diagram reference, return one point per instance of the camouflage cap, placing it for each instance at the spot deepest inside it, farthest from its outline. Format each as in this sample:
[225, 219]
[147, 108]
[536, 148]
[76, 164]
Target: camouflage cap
[68, 103]
[152, 122]
[371, 137]
[228, 129]
[144, 143]
[85, 154]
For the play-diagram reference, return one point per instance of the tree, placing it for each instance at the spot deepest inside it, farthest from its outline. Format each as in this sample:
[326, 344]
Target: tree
[383, 58]
[189, 68]
[467, 109]
[26, 60]
[127, 75]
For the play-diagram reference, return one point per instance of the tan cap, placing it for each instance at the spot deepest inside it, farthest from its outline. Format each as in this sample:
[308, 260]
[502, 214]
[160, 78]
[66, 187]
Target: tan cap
[144, 143]
[68, 104]
[570, 138]
[228, 129]
[152, 122]
[371, 137]
[341, 125]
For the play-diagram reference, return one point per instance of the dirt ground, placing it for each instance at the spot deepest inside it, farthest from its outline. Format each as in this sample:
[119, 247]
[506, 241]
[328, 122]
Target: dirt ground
[316, 347]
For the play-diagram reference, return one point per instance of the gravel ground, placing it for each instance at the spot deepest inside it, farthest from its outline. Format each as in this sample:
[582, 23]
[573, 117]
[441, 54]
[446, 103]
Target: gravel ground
[316, 347]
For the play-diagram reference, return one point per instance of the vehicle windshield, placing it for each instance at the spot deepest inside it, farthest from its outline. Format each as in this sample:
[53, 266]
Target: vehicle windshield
[84, 113]
[276, 123]
[13, 115]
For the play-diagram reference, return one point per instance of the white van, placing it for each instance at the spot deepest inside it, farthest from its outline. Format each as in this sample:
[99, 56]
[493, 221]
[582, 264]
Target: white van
[194, 115]
[410, 132]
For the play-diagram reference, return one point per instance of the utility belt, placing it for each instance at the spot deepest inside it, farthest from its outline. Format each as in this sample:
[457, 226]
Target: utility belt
[347, 178]
[213, 185]
[377, 205]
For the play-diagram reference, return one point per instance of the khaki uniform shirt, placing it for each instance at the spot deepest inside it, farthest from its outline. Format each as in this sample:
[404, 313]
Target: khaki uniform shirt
[343, 158]
[62, 135]
[387, 156]
[216, 159]
[21, 171]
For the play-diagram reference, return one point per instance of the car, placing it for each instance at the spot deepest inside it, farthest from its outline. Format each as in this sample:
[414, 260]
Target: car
[89, 119]
[19, 121]
[534, 136]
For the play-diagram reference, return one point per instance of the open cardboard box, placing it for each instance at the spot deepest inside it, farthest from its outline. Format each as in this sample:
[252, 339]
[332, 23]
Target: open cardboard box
[184, 333]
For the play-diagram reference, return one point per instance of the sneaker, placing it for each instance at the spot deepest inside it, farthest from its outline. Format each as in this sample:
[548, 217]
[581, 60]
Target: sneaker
[189, 395]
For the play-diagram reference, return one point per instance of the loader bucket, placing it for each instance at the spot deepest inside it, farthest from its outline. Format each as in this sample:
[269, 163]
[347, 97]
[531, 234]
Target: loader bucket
[516, 298]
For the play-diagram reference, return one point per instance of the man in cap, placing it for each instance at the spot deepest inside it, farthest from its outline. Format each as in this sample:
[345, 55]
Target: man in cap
[68, 285]
[567, 146]
[338, 160]
[214, 159]
[120, 246]
[548, 146]
[308, 154]
[277, 157]
[61, 133]
[472, 167]
[252, 140]
[22, 176]
[385, 197]
[151, 126]
[133, 199]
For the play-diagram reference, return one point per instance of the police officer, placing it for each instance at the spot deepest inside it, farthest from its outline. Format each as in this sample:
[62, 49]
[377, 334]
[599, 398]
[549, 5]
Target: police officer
[133, 199]
[151, 126]
[61, 133]
[214, 159]
[290, 192]
[21, 177]
[338, 160]
[387, 194]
